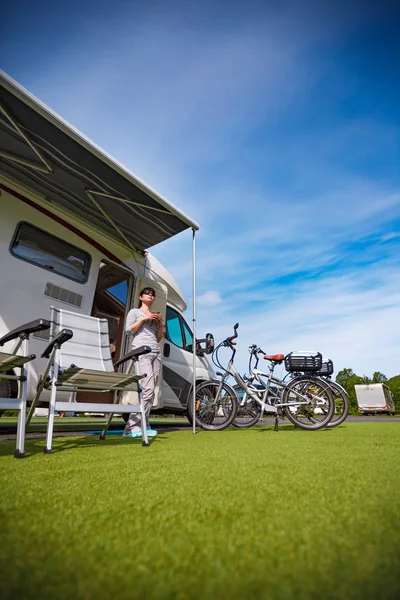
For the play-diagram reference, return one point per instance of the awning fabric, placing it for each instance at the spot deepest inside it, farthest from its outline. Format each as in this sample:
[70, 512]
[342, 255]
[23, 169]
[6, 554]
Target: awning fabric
[38, 148]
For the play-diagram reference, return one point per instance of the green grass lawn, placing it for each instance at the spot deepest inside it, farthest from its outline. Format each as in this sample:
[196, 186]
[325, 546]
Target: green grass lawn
[232, 514]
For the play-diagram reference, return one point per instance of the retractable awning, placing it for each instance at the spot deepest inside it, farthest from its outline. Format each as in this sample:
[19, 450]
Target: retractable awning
[40, 149]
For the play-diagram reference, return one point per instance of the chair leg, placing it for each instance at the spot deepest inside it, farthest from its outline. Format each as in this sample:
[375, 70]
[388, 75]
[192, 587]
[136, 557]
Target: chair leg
[39, 390]
[110, 416]
[107, 425]
[30, 413]
[50, 426]
[52, 404]
[50, 423]
[33, 406]
[145, 439]
[20, 448]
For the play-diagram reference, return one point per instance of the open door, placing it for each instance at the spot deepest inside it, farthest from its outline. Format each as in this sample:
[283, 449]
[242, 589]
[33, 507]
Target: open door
[112, 300]
[159, 305]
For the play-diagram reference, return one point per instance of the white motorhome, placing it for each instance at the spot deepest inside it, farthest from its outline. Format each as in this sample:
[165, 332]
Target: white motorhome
[75, 229]
[374, 398]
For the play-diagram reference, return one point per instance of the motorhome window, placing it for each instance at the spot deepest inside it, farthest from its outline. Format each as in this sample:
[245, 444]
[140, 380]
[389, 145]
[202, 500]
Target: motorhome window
[49, 252]
[174, 330]
[188, 336]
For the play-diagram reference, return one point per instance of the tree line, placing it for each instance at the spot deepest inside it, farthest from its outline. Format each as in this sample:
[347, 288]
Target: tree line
[348, 379]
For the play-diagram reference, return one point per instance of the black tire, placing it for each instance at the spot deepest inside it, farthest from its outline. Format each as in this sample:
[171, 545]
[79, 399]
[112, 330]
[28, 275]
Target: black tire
[189, 406]
[188, 415]
[342, 405]
[248, 413]
[5, 391]
[319, 407]
[216, 405]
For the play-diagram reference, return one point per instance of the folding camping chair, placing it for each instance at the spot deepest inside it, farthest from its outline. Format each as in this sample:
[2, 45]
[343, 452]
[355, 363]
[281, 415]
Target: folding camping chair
[16, 395]
[80, 361]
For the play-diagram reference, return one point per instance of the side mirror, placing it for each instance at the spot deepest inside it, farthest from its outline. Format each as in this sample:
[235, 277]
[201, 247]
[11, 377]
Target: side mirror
[209, 343]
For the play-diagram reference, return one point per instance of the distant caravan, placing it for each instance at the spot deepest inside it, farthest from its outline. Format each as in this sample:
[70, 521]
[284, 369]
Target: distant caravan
[374, 399]
[75, 228]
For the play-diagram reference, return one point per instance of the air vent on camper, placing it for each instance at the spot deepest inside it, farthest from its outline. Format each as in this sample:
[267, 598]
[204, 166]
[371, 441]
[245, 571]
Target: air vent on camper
[63, 295]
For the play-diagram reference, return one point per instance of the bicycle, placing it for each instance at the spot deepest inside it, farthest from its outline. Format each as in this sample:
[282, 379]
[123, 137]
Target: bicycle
[216, 402]
[312, 416]
[296, 400]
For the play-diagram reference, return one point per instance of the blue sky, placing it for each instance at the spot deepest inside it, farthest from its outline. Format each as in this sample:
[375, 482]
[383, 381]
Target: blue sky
[275, 125]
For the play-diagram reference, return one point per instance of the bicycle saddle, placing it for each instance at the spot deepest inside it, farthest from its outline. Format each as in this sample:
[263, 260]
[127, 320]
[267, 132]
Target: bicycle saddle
[275, 357]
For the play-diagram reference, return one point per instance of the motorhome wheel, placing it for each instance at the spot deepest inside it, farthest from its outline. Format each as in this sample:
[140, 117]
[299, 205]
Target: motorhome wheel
[5, 391]
[5, 388]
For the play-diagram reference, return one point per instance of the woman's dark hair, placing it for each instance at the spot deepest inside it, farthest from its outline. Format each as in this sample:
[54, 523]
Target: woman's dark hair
[145, 291]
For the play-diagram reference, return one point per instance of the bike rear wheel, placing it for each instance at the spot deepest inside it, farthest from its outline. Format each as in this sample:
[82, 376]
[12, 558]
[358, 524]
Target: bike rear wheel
[317, 403]
[342, 406]
[215, 406]
[341, 400]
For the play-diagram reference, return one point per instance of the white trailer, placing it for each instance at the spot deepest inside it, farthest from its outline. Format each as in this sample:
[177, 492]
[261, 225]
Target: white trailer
[75, 229]
[374, 398]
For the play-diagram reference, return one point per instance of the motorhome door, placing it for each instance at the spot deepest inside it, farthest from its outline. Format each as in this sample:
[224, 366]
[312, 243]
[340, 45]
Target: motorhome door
[112, 299]
[178, 361]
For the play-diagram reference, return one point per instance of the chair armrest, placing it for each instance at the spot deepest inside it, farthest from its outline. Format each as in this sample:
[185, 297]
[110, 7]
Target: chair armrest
[134, 355]
[24, 331]
[63, 336]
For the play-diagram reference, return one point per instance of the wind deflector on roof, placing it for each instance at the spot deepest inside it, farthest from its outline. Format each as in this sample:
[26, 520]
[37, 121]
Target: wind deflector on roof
[39, 149]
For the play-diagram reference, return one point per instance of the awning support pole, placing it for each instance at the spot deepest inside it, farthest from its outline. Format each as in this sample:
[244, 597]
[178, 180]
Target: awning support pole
[194, 330]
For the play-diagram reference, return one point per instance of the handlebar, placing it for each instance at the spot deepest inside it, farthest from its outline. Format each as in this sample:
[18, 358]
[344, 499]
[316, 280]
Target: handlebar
[228, 341]
[254, 349]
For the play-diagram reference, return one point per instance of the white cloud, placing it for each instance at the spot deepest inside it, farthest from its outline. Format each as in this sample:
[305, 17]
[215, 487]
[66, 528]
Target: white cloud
[210, 298]
[390, 236]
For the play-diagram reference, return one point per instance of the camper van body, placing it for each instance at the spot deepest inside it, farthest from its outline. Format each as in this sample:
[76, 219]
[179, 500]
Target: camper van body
[34, 280]
[374, 398]
[75, 228]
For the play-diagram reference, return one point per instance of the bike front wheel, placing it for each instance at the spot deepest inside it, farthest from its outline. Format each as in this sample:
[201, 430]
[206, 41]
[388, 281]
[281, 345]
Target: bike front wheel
[215, 405]
[309, 403]
[248, 413]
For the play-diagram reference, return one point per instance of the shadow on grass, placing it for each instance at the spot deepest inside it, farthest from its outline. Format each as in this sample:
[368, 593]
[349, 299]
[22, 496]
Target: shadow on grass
[79, 441]
[283, 427]
[37, 446]
[290, 428]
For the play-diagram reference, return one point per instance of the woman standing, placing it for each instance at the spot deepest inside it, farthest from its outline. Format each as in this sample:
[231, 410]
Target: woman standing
[146, 327]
